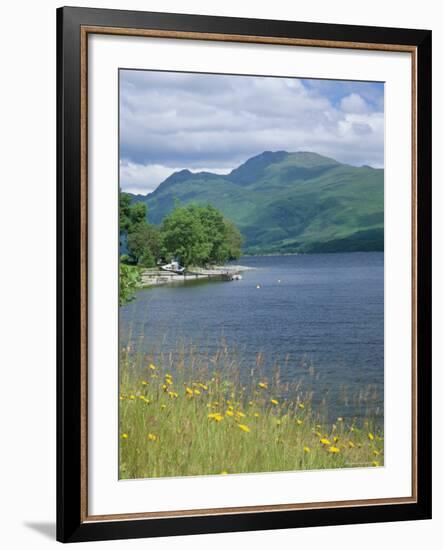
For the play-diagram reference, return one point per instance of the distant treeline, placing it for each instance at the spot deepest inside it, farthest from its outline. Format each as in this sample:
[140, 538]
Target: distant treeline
[193, 234]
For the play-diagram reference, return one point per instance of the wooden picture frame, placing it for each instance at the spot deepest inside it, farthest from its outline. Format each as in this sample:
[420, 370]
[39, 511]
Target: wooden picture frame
[74, 523]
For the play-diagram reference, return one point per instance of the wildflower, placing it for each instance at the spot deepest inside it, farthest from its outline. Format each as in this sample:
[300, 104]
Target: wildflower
[229, 413]
[263, 385]
[351, 445]
[141, 397]
[375, 453]
[325, 441]
[189, 391]
[217, 417]
[168, 381]
[203, 386]
[132, 397]
[244, 428]
[122, 397]
[167, 375]
[152, 367]
[375, 463]
[335, 438]
[197, 392]
[144, 383]
[274, 401]
[162, 406]
[333, 449]
[164, 387]
[231, 408]
[318, 434]
[306, 449]
[125, 436]
[301, 406]
[298, 421]
[371, 436]
[223, 473]
[240, 414]
[173, 394]
[152, 437]
[256, 415]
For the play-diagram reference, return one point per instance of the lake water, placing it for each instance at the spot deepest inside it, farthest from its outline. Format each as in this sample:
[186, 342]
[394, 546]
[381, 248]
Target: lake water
[319, 316]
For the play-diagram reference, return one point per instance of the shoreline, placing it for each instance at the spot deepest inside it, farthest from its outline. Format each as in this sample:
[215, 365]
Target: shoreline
[156, 277]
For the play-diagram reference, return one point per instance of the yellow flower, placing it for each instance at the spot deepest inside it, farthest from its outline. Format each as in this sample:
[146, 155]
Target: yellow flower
[122, 397]
[335, 438]
[375, 463]
[152, 367]
[278, 422]
[263, 385]
[333, 449]
[167, 375]
[318, 434]
[325, 441]
[168, 381]
[298, 421]
[375, 453]
[223, 473]
[144, 383]
[189, 391]
[351, 445]
[203, 386]
[217, 417]
[301, 406]
[229, 413]
[164, 387]
[125, 436]
[231, 407]
[162, 406]
[256, 415]
[173, 394]
[142, 397]
[197, 392]
[371, 436]
[132, 397]
[274, 401]
[152, 437]
[240, 414]
[306, 449]
[244, 428]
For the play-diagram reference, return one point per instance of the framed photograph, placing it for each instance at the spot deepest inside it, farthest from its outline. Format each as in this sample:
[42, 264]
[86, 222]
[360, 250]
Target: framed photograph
[244, 274]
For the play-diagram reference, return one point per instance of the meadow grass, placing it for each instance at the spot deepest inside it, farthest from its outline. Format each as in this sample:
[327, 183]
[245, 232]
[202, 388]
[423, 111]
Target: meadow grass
[201, 419]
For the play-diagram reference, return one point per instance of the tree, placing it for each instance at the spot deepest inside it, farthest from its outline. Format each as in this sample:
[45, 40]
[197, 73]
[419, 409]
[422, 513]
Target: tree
[198, 235]
[143, 243]
[129, 280]
[184, 237]
[233, 240]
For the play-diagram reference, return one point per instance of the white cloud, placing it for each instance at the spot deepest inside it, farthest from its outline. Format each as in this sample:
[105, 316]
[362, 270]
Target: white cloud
[354, 103]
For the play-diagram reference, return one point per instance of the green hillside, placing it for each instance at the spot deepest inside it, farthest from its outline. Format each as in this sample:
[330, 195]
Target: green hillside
[286, 202]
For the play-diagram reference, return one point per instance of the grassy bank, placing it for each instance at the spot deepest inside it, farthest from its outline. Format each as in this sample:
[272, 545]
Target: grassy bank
[177, 420]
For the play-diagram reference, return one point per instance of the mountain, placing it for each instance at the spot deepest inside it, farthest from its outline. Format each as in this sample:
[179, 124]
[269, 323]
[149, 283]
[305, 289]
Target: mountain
[286, 202]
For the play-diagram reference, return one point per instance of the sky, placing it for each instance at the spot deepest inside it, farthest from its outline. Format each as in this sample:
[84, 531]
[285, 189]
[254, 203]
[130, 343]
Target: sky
[170, 121]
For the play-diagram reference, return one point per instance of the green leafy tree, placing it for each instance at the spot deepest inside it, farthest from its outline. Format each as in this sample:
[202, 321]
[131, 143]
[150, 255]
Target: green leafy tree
[143, 242]
[129, 282]
[198, 235]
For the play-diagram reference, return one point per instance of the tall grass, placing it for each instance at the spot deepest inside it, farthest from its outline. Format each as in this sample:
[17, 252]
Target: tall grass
[180, 418]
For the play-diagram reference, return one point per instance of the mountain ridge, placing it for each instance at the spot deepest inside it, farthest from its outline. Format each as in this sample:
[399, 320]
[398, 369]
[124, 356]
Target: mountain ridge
[286, 202]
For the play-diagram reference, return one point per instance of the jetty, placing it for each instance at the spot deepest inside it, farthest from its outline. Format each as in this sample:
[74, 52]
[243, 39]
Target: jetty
[155, 277]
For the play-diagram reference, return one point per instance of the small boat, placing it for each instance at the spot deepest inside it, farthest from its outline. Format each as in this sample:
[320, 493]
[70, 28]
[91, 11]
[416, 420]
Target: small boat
[236, 277]
[173, 267]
